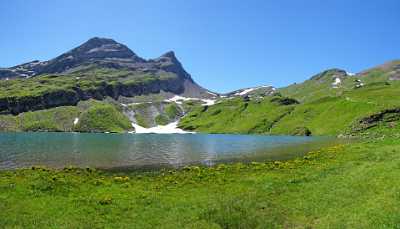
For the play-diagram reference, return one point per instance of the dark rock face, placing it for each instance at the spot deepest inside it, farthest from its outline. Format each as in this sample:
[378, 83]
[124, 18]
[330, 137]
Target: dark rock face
[301, 131]
[6, 73]
[284, 101]
[94, 50]
[388, 116]
[20, 71]
[16, 105]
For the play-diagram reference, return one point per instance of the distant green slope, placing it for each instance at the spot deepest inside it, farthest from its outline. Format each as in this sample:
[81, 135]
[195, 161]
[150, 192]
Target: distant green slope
[317, 87]
[335, 115]
[236, 116]
[325, 109]
[323, 84]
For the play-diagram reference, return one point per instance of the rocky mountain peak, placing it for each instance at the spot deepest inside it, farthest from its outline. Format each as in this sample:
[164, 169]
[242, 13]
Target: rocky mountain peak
[102, 48]
[168, 57]
[169, 63]
[169, 54]
[98, 41]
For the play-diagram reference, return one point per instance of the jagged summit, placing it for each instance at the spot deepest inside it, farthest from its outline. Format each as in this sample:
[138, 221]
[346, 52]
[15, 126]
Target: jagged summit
[103, 48]
[169, 54]
[103, 52]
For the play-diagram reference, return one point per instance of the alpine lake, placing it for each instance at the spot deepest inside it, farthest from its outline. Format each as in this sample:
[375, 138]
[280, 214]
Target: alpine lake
[148, 151]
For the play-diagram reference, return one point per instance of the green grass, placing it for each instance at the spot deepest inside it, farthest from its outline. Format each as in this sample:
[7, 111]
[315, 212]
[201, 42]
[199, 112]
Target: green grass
[317, 87]
[335, 115]
[329, 115]
[350, 186]
[54, 119]
[320, 86]
[156, 113]
[86, 80]
[94, 116]
[235, 116]
[161, 120]
[47, 91]
[170, 113]
[103, 117]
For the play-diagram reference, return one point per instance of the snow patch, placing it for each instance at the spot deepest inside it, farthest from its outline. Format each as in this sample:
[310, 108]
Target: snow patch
[350, 74]
[248, 90]
[359, 85]
[245, 91]
[337, 82]
[178, 100]
[76, 120]
[171, 128]
[208, 102]
[211, 93]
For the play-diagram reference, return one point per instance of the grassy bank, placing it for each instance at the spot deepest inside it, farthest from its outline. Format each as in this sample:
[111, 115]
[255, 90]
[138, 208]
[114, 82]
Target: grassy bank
[346, 186]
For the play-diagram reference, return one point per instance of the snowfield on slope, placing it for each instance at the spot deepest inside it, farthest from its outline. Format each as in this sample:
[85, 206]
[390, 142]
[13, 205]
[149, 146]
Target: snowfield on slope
[248, 90]
[171, 128]
[178, 99]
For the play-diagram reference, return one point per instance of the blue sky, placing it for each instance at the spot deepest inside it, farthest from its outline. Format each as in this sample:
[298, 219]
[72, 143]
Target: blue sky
[225, 44]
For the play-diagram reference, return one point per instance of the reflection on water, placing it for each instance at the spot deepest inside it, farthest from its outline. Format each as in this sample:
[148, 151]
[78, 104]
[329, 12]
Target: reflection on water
[146, 150]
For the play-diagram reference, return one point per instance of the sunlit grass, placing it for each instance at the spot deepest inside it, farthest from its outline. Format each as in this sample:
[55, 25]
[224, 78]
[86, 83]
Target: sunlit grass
[353, 186]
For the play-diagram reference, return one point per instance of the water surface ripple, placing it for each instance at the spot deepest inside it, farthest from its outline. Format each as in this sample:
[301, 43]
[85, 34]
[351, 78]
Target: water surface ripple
[146, 150]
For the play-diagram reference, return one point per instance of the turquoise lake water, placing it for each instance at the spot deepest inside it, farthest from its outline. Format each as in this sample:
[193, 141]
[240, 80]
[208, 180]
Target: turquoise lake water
[124, 151]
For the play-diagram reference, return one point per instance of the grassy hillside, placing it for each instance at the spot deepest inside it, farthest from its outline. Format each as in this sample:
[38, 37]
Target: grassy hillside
[335, 115]
[102, 117]
[49, 91]
[318, 86]
[87, 79]
[350, 186]
[92, 115]
[323, 84]
[324, 109]
[236, 116]
[150, 114]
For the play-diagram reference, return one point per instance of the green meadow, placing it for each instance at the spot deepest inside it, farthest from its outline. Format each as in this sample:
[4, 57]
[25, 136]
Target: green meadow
[346, 186]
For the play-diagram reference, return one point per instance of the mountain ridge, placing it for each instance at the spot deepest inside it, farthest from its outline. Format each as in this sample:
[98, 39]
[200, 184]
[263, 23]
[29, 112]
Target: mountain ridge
[104, 78]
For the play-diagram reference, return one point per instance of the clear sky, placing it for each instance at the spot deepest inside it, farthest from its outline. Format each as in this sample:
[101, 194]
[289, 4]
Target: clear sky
[223, 44]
